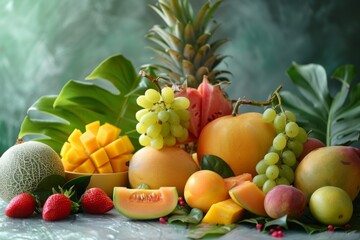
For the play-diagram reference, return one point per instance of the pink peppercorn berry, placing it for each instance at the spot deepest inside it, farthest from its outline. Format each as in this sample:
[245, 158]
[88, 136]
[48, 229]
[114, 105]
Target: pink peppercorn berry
[181, 201]
[277, 234]
[259, 226]
[163, 220]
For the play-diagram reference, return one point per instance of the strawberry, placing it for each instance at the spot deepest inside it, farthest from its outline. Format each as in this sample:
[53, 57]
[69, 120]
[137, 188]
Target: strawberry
[58, 206]
[21, 206]
[96, 201]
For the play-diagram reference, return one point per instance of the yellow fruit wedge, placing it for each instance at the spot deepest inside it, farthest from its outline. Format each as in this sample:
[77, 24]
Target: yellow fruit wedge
[99, 149]
[225, 212]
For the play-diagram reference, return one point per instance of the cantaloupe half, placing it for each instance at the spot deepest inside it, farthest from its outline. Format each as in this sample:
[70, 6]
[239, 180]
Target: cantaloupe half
[99, 149]
[145, 204]
[250, 197]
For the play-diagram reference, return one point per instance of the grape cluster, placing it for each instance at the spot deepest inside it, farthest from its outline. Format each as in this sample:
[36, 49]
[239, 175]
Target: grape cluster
[164, 119]
[278, 165]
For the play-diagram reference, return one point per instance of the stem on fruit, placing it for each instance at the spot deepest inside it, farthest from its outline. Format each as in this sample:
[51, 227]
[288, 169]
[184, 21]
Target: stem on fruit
[152, 79]
[270, 101]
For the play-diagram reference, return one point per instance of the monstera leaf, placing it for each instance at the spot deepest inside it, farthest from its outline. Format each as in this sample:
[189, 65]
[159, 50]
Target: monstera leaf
[108, 94]
[332, 118]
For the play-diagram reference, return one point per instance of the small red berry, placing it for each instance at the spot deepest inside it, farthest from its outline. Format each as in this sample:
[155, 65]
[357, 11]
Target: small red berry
[347, 226]
[272, 231]
[259, 226]
[163, 220]
[280, 233]
[330, 228]
[182, 203]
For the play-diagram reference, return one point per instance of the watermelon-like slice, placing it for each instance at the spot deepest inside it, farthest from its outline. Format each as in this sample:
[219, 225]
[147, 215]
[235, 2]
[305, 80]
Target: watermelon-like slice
[207, 103]
[214, 104]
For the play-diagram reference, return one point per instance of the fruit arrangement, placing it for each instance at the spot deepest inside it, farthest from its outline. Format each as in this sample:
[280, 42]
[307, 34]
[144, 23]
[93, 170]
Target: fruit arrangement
[190, 154]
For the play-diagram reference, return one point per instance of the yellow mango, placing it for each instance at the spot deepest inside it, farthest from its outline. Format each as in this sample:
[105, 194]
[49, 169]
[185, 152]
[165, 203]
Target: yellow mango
[93, 127]
[89, 142]
[86, 167]
[74, 139]
[99, 157]
[64, 149]
[118, 147]
[106, 168]
[225, 212]
[75, 156]
[120, 163]
[68, 166]
[107, 133]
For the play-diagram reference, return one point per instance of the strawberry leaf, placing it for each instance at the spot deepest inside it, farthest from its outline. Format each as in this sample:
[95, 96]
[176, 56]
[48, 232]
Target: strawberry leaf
[108, 94]
[332, 118]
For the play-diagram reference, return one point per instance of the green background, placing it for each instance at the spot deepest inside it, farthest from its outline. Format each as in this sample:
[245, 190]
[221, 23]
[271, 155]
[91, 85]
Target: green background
[45, 43]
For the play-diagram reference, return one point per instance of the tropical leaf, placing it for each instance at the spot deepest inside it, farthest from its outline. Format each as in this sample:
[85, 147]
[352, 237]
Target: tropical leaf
[108, 94]
[332, 118]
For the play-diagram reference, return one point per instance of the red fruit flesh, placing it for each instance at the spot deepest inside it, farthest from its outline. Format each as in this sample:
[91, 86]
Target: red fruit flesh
[96, 201]
[214, 104]
[21, 206]
[56, 207]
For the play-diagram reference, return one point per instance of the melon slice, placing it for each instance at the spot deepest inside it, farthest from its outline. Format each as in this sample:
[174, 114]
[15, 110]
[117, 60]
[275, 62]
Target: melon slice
[225, 212]
[144, 204]
[99, 149]
[250, 197]
[232, 182]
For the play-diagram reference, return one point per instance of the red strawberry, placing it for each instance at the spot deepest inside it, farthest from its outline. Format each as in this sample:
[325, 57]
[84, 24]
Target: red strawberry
[21, 206]
[96, 201]
[58, 206]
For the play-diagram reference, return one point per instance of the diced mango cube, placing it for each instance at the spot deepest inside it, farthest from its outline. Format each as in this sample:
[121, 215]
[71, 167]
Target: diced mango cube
[225, 212]
[67, 166]
[121, 163]
[129, 146]
[74, 139]
[93, 127]
[86, 167]
[89, 142]
[99, 157]
[107, 133]
[64, 149]
[118, 147]
[106, 168]
[75, 156]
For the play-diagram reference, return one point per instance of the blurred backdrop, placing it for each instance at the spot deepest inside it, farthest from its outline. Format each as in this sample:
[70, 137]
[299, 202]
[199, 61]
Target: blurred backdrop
[45, 43]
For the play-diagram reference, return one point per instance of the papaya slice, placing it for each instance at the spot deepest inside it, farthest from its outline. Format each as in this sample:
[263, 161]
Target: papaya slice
[145, 204]
[231, 182]
[250, 197]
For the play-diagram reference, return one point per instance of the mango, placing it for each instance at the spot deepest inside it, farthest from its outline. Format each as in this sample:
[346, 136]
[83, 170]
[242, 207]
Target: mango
[337, 166]
[225, 212]
[284, 200]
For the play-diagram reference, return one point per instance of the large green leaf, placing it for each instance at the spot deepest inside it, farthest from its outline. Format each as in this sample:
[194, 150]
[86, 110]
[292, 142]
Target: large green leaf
[332, 118]
[108, 94]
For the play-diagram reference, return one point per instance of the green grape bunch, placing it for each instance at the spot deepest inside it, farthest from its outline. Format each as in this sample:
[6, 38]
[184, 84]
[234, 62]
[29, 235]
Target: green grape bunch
[164, 119]
[278, 165]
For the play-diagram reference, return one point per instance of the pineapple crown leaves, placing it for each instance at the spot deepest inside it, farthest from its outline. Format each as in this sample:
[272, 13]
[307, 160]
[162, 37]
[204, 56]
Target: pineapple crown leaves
[331, 118]
[108, 94]
[184, 51]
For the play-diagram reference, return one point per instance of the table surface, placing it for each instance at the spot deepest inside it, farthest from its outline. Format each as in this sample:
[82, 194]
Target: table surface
[114, 226]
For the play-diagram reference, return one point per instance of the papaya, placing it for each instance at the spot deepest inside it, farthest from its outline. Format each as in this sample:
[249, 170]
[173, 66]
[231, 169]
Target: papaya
[231, 182]
[250, 197]
[225, 212]
[145, 204]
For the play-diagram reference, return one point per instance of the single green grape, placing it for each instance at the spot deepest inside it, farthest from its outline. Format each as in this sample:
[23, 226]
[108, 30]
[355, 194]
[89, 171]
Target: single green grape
[279, 123]
[287, 172]
[279, 142]
[288, 158]
[261, 167]
[259, 180]
[268, 185]
[180, 103]
[269, 115]
[272, 172]
[152, 95]
[271, 158]
[291, 129]
[168, 95]
[143, 102]
[296, 146]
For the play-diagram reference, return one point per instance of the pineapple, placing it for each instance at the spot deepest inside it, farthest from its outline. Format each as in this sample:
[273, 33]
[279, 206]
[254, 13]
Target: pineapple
[185, 51]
